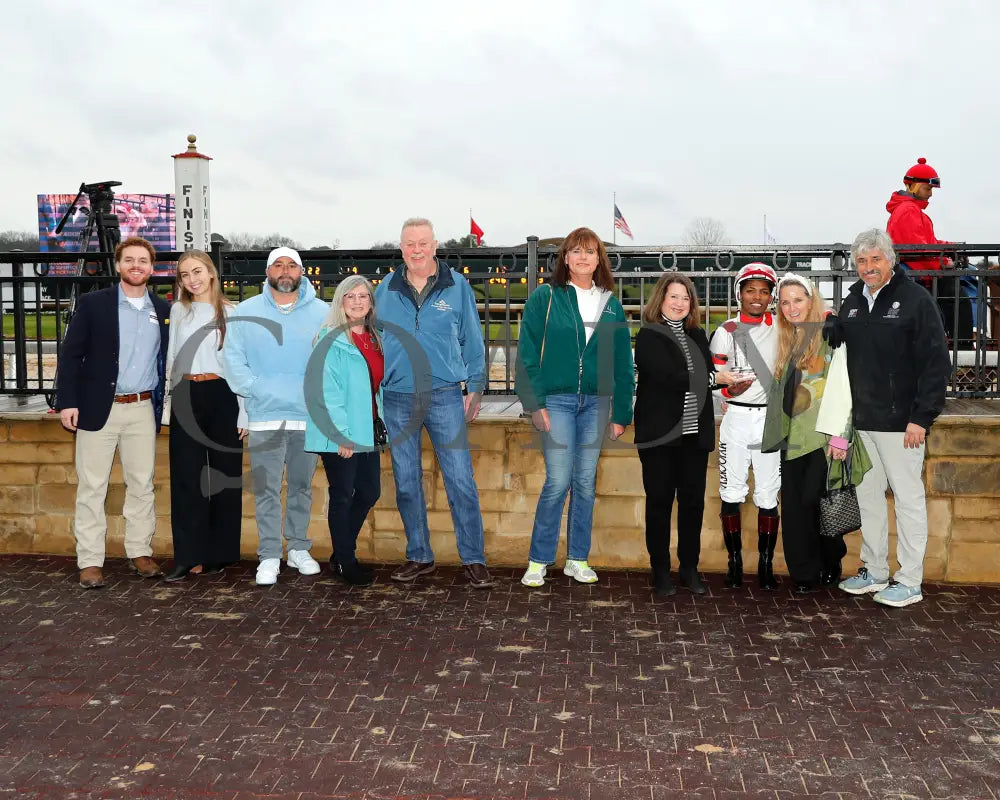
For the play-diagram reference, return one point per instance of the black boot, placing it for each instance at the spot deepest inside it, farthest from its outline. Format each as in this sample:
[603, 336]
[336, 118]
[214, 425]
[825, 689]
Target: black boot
[335, 568]
[692, 580]
[354, 575]
[767, 539]
[662, 584]
[179, 572]
[830, 575]
[732, 535]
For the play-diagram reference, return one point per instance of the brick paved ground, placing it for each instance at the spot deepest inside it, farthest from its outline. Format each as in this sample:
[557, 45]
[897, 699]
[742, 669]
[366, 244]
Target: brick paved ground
[213, 688]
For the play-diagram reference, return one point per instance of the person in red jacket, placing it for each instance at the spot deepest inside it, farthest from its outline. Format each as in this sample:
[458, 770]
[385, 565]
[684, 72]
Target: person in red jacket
[909, 224]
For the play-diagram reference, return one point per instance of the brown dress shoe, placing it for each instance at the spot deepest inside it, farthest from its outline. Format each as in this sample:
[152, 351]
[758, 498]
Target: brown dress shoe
[91, 578]
[479, 576]
[146, 567]
[412, 570]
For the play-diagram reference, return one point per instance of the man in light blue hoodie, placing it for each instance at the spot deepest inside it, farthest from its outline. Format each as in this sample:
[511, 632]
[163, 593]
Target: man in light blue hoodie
[268, 343]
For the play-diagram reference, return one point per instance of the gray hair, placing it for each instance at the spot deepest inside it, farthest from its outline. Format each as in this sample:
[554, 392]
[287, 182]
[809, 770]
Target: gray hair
[336, 319]
[416, 222]
[873, 239]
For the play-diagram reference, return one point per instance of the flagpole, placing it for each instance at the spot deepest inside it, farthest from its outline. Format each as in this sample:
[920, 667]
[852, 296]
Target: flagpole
[614, 228]
[765, 229]
[470, 225]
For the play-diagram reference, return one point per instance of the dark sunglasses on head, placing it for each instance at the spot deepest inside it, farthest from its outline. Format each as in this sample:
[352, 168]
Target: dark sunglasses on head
[935, 182]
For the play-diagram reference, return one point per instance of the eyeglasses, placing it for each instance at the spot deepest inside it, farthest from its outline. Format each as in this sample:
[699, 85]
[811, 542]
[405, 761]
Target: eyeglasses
[357, 297]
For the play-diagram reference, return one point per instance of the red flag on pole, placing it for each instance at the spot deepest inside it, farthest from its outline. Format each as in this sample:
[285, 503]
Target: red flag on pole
[476, 231]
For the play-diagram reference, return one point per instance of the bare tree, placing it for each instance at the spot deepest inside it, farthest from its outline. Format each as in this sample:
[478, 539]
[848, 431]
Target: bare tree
[464, 241]
[705, 231]
[386, 245]
[19, 240]
[253, 241]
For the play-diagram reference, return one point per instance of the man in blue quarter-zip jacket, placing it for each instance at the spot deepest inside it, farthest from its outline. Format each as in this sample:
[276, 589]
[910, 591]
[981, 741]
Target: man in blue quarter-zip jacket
[433, 343]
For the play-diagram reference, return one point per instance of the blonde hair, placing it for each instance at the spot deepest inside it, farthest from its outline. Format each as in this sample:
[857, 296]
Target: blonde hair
[791, 338]
[336, 319]
[217, 298]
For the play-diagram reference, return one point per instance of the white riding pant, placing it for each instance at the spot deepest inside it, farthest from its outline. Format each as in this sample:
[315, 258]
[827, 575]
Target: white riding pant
[739, 449]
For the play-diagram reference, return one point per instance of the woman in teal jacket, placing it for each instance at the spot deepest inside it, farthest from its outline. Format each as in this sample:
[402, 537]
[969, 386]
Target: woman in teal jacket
[574, 374]
[344, 424]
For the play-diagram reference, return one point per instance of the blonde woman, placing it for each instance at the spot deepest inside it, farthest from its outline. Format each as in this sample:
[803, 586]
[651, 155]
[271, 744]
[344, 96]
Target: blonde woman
[344, 402]
[809, 421]
[207, 425]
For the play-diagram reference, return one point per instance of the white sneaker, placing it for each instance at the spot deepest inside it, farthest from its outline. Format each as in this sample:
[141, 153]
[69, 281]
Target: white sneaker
[267, 571]
[534, 575]
[580, 571]
[303, 562]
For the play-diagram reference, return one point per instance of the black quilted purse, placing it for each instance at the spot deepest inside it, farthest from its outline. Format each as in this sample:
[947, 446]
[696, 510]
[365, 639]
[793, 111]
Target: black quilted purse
[839, 512]
[381, 434]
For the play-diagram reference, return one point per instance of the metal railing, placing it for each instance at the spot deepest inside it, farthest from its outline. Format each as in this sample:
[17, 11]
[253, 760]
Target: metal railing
[33, 308]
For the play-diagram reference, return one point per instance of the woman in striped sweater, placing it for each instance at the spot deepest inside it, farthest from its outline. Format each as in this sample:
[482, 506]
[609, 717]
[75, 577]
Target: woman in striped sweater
[674, 426]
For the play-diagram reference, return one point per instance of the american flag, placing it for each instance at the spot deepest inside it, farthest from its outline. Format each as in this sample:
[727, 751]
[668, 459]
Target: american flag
[621, 224]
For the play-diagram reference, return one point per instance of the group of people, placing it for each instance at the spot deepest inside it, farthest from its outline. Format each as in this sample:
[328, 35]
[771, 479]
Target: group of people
[302, 381]
[808, 398]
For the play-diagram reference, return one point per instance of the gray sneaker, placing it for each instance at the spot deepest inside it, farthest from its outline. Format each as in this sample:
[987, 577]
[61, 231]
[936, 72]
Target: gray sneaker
[897, 595]
[862, 583]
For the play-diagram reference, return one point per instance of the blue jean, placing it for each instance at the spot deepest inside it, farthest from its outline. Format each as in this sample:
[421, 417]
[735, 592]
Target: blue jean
[442, 413]
[571, 448]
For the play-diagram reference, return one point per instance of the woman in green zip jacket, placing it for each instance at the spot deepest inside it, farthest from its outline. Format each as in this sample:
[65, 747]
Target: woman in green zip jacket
[574, 375]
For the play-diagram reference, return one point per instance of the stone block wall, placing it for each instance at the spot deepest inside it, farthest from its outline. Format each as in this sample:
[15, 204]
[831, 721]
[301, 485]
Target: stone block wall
[962, 476]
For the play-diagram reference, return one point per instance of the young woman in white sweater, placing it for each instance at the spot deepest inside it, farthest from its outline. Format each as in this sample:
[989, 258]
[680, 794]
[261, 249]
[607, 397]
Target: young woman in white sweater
[207, 424]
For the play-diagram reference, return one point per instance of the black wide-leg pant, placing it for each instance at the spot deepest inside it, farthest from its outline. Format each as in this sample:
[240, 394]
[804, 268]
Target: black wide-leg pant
[206, 491]
[807, 552]
[669, 472]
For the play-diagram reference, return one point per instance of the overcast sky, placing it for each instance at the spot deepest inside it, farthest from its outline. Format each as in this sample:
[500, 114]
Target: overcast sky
[334, 120]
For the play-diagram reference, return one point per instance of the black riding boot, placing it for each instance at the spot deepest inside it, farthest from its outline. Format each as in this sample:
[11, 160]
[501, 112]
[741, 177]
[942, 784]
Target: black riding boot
[732, 535]
[767, 538]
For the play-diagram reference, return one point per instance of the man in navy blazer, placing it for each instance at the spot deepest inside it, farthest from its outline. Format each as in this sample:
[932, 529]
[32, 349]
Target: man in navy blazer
[109, 390]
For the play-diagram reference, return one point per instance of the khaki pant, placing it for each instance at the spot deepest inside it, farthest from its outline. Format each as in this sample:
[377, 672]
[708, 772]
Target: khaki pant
[132, 431]
[898, 468]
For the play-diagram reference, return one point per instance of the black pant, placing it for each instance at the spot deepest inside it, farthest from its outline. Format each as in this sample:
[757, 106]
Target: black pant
[668, 472]
[206, 486]
[807, 552]
[354, 488]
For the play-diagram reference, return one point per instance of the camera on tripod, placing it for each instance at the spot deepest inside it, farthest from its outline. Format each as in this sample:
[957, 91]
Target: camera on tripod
[102, 221]
[101, 218]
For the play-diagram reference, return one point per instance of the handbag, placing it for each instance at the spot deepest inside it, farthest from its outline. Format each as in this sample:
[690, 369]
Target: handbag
[839, 512]
[381, 434]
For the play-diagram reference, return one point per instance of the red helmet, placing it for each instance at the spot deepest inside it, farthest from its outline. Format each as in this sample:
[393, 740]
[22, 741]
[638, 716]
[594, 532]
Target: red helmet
[922, 172]
[756, 271]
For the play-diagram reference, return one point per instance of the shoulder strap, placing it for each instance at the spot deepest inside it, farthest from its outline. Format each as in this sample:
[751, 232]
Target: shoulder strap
[545, 329]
